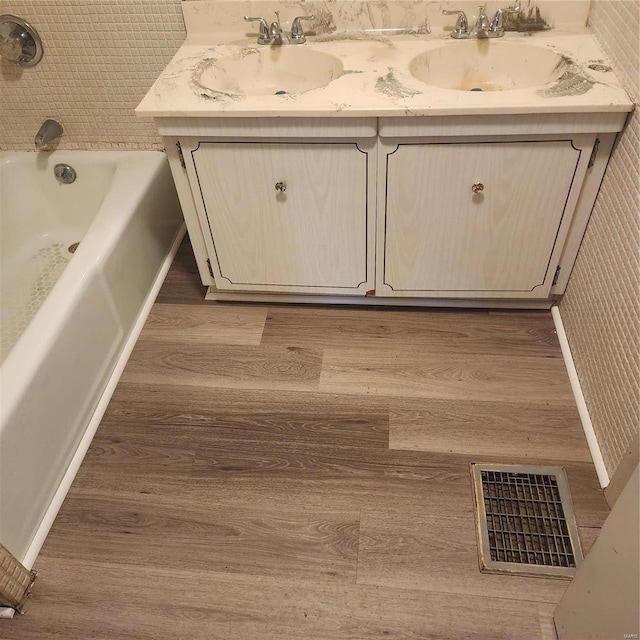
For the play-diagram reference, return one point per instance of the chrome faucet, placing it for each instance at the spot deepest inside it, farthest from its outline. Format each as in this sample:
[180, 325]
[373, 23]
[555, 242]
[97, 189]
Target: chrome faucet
[483, 27]
[50, 131]
[275, 30]
[276, 35]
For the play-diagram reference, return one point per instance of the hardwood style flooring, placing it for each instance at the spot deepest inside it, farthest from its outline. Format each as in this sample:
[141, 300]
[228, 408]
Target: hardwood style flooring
[302, 472]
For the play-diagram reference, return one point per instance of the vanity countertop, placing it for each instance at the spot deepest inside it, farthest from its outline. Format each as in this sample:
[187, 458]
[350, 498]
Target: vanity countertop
[376, 81]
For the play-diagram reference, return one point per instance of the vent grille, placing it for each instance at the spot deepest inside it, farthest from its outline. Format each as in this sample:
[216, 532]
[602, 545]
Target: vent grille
[525, 520]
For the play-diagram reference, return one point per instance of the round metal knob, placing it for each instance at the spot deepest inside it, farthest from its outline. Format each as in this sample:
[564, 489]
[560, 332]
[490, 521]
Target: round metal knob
[477, 187]
[281, 186]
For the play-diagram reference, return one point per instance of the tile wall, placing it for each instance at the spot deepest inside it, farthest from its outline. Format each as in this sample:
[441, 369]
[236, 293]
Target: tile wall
[101, 57]
[601, 308]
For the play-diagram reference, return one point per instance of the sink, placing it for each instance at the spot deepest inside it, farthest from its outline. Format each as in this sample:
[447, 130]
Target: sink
[271, 70]
[487, 65]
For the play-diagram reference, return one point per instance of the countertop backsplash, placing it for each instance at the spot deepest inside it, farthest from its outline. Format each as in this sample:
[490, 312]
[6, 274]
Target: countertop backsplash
[206, 16]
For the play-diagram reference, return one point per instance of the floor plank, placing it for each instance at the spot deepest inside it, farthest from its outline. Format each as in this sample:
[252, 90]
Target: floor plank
[250, 415]
[224, 366]
[233, 325]
[152, 602]
[543, 430]
[417, 374]
[152, 530]
[430, 331]
[419, 551]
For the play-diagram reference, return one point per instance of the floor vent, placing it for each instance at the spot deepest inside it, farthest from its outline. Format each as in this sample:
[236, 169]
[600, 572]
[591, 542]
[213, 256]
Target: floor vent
[525, 521]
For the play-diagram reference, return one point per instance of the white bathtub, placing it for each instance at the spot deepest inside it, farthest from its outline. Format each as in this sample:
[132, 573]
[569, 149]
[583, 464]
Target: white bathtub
[57, 378]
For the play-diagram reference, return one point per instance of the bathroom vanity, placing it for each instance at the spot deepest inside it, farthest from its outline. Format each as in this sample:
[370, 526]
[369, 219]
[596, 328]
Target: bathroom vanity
[386, 165]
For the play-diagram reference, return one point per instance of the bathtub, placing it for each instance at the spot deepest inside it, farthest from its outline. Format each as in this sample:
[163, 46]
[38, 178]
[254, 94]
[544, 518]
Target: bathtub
[71, 313]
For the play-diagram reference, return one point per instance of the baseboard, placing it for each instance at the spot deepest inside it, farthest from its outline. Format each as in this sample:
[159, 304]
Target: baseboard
[67, 480]
[583, 410]
[373, 301]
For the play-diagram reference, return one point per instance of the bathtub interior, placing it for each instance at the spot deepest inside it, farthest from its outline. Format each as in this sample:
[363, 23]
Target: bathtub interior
[42, 223]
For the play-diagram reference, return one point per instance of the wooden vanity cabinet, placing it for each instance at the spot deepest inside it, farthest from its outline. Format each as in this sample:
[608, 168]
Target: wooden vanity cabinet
[486, 208]
[476, 219]
[285, 214]
[451, 210]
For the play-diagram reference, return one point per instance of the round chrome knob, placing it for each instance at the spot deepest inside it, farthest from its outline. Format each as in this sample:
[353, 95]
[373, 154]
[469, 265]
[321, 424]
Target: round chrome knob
[477, 187]
[281, 186]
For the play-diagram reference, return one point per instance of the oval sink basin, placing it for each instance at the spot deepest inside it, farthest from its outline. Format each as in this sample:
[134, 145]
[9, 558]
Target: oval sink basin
[487, 65]
[272, 70]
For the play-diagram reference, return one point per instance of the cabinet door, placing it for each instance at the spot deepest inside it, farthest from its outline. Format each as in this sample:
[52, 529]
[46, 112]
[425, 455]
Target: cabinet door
[443, 236]
[286, 217]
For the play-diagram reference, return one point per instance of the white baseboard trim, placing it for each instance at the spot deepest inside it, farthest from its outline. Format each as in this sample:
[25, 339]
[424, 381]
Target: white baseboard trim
[72, 470]
[592, 441]
[372, 301]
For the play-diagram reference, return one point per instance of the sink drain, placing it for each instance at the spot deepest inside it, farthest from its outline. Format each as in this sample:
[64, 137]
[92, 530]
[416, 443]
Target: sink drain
[72, 247]
[65, 174]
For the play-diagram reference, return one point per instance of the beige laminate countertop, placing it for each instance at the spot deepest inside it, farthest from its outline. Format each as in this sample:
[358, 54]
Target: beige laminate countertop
[376, 80]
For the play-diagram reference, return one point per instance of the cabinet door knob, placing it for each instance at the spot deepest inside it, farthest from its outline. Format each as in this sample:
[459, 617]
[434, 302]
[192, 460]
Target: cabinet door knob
[281, 186]
[477, 187]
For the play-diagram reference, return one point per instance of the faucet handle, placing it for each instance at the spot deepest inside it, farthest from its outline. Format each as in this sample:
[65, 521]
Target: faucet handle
[296, 28]
[496, 22]
[263, 35]
[462, 25]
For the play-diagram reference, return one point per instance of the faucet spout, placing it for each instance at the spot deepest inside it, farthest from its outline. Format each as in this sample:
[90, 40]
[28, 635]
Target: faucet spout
[278, 35]
[481, 27]
[50, 131]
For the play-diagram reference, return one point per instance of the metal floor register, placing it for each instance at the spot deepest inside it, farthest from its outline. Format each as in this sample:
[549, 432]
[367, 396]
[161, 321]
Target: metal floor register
[525, 520]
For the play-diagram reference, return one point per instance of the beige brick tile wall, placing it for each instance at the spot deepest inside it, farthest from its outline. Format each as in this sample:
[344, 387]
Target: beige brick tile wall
[101, 57]
[601, 308]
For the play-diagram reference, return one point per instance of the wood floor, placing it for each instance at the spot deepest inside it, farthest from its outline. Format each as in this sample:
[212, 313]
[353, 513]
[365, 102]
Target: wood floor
[284, 472]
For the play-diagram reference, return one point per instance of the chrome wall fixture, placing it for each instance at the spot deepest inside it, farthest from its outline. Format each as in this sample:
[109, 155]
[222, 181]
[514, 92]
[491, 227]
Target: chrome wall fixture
[49, 132]
[19, 41]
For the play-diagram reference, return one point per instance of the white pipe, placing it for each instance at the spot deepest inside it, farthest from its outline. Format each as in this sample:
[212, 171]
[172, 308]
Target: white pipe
[583, 410]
